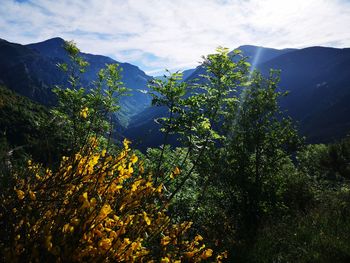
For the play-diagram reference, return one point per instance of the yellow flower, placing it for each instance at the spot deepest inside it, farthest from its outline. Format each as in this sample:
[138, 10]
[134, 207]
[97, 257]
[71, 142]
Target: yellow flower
[207, 253]
[189, 254]
[84, 112]
[75, 221]
[165, 240]
[135, 185]
[165, 260]
[135, 245]
[65, 228]
[198, 238]
[20, 194]
[114, 187]
[105, 243]
[134, 158]
[174, 173]
[127, 241]
[84, 199]
[48, 242]
[32, 195]
[93, 202]
[220, 257]
[159, 188]
[141, 168]
[105, 210]
[148, 221]
[126, 143]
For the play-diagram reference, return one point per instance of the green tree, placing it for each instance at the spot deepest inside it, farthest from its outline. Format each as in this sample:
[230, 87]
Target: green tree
[82, 112]
[197, 110]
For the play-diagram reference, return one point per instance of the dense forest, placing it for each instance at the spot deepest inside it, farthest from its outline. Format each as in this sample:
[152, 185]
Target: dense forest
[233, 181]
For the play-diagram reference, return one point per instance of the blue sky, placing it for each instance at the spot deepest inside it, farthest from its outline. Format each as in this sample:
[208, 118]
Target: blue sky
[174, 34]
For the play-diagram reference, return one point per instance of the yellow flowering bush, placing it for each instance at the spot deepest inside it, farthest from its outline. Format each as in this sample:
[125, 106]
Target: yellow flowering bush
[95, 207]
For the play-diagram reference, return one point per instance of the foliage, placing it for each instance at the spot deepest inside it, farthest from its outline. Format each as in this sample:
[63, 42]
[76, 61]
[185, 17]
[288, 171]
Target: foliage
[27, 129]
[95, 207]
[83, 113]
[184, 202]
[319, 234]
[239, 145]
[196, 110]
[258, 148]
[241, 176]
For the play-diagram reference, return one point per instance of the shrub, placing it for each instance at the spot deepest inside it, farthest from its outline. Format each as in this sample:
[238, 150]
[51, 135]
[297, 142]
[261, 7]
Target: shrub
[95, 207]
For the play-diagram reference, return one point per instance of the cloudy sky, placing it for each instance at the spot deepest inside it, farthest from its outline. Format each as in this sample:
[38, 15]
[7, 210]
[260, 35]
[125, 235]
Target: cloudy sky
[174, 34]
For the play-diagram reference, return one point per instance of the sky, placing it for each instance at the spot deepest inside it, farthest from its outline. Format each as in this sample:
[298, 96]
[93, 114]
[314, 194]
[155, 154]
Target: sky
[174, 34]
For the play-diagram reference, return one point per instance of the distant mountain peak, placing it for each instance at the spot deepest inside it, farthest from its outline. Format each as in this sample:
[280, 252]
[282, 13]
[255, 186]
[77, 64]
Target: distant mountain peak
[260, 54]
[54, 40]
[52, 47]
[249, 46]
[253, 47]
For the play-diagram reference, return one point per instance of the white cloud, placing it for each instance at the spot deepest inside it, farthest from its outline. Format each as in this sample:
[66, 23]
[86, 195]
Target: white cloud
[157, 34]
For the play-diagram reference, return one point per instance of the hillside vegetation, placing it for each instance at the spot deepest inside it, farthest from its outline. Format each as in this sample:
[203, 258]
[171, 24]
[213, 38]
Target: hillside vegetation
[242, 186]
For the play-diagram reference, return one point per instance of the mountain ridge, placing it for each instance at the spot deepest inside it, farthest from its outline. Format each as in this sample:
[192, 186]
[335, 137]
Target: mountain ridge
[318, 82]
[31, 70]
[317, 77]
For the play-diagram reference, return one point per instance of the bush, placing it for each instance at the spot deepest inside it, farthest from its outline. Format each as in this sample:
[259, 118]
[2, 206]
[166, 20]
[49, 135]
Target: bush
[95, 207]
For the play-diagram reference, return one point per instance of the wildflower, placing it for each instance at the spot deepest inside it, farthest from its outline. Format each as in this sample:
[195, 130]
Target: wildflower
[84, 112]
[165, 240]
[20, 194]
[105, 210]
[133, 158]
[174, 173]
[207, 253]
[48, 242]
[126, 143]
[198, 238]
[189, 254]
[147, 220]
[32, 195]
[105, 243]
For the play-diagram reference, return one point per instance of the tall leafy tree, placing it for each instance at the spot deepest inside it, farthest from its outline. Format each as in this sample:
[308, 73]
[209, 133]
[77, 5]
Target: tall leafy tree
[82, 112]
[256, 157]
[197, 110]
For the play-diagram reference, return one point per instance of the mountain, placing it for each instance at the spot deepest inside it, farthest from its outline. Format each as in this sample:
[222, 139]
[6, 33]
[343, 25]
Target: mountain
[31, 70]
[254, 54]
[144, 131]
[317, 79]
[145, 120]
[185, 74]
[318, 82]
[258, 55]
[27, 72]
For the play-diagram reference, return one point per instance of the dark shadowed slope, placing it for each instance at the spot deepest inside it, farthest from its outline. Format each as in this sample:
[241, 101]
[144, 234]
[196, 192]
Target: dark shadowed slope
[318, 79]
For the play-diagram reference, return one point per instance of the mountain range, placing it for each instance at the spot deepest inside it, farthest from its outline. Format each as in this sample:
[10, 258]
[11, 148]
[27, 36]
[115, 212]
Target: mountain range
[31, 70]
[317, 78]
[318, 82]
